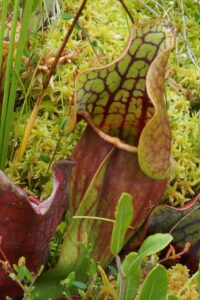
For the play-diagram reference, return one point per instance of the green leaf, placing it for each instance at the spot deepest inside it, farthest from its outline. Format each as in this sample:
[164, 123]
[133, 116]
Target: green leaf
[95, 44]
[155, 285]
[66, 16]
[67, 282]
[131, 269]
[15, 267]
[123, 216]
[80, 285]
[197, 18]
[154, 244]
[21, 273]
[113, 271]
[45, 158]
[132, 262]
[63, 123]
[182, 223]
[28, 274]
[35, 4]
[92, 268]
[172, 297]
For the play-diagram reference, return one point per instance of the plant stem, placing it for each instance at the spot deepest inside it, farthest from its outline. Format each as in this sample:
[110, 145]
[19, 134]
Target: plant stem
[31, 121]
[106, 283]
[98, 219]
[191, 55]
[122, 277]
[54, 152]
[149, 8]
[127, 10]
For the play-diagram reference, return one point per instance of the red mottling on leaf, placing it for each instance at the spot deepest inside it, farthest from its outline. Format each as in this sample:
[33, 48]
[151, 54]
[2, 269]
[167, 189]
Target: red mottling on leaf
[122, 174]
[183, 224]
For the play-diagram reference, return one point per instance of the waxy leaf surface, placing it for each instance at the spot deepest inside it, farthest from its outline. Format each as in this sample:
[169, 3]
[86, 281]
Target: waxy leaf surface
[94, 191]
[126, 115]
[183, 224]
[124, 112]
[124, 101]
[122, 174]
[27, 226]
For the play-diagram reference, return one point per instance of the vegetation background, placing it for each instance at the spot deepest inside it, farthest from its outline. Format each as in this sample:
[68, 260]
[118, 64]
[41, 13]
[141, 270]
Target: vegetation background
[99, 37]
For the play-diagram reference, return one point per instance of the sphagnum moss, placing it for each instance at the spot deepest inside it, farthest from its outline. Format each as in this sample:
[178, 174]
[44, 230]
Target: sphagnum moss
[178, 275]
[104, 25]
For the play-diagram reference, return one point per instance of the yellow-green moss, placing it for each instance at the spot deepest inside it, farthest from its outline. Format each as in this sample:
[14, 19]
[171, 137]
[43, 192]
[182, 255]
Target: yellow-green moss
[107, 26]
[178, 275]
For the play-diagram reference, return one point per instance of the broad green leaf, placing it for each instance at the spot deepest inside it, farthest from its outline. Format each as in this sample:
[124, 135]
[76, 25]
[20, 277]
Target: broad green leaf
[123, 218]
[183, 224]
[131, 269]
[154, 244]
[155, 285]
[132, 263]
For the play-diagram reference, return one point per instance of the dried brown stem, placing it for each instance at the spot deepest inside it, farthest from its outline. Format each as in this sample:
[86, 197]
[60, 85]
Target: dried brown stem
[127, 10]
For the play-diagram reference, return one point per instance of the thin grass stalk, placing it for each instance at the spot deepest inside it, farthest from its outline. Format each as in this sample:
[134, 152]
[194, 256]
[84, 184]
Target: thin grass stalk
[3, 27]
[13, 88]
[34, 113]
[8, 77]
[127, 10]
[29, 88]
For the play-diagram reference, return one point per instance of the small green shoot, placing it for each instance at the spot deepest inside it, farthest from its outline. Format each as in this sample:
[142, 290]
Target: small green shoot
[131, 266]
[123, 216]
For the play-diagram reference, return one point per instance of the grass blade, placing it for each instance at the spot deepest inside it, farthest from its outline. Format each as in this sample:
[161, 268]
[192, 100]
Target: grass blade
[8, 77]
[3, 26]
[10, 95]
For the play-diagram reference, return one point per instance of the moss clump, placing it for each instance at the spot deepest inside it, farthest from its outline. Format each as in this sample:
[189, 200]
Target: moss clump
[178, 276]
[100, 37]
[185, 174]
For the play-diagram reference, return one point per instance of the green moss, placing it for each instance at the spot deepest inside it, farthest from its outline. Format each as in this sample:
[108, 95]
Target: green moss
[178, 275]
[100, 38]
[185, 174]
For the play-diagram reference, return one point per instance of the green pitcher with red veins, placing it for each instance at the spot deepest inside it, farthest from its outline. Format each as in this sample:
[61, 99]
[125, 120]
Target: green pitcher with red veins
[126, 146]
